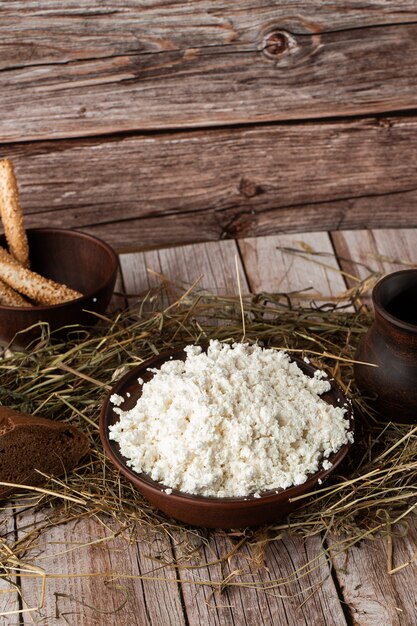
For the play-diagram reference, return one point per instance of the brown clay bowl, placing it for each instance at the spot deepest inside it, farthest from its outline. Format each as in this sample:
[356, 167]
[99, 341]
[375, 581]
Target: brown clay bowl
[208, 511]
[82, 262]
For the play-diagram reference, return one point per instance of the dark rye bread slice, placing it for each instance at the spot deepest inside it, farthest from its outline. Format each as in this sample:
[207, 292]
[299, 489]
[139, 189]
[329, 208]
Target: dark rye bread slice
[29, 443]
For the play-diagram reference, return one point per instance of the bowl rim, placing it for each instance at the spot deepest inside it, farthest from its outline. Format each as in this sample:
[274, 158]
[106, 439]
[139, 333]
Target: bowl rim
[73, 233]
[380, 308]
[158, 489]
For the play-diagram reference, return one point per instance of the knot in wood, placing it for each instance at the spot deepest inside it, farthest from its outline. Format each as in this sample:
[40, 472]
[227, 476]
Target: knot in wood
[276, 43]
[248, 188]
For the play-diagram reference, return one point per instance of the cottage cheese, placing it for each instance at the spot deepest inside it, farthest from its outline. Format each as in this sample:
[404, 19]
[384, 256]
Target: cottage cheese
[234, 421]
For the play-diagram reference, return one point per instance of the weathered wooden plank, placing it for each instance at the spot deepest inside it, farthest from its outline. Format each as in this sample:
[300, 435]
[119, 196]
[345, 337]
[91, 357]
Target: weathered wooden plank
[374, 596]
[95, 582]
[281, 65]
[148, 191]
[385, 250]
[270, 267]
[312, 599]
[95, 29]
[212, 264]
[9, 584]
[286, 263]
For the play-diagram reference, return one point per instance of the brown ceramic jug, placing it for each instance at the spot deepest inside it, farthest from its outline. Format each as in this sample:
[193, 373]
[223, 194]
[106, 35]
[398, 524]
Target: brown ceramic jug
[391, 344]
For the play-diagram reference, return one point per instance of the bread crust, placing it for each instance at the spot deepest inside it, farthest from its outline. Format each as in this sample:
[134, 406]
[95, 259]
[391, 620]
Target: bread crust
[10, 297]
[39, 289]
[11, 214]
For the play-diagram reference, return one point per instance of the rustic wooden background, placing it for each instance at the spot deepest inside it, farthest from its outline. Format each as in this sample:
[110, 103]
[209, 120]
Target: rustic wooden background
[152, 123]
[158, 122]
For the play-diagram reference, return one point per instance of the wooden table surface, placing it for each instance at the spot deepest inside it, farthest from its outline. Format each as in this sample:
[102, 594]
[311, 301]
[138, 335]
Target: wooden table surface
[160, 122]
[118, 583]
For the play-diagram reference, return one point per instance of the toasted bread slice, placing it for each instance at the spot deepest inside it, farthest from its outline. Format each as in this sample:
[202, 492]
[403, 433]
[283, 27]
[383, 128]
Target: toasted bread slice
[39, 289]
[11, 214]
[29, 443]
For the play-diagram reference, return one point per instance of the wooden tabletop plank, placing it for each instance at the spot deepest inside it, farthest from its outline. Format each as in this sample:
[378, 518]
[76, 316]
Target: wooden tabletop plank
[294, 603]
[212, 264]
[375, 597]
[91, 587]
[82, 77]
[300, 262]
[386, 250]
[150, 191]
[9, 584]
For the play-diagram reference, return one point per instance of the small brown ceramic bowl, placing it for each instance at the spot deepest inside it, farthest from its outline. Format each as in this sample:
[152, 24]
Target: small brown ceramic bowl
[201, 510]
[82, 262]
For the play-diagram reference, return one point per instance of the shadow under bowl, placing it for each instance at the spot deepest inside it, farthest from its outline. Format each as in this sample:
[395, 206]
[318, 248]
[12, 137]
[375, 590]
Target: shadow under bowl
[212, 512]
[80, 261]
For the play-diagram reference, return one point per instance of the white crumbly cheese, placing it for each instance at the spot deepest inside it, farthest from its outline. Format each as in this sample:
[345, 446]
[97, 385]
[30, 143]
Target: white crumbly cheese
[116, 400]
[232, 421]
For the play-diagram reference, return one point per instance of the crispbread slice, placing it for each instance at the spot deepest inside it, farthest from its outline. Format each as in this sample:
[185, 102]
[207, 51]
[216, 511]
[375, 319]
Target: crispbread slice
[10, 297]
[39, 289]
[29, 443]
[11, 214]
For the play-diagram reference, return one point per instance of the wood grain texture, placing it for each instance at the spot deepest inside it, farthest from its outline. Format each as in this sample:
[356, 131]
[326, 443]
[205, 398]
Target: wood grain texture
[149, 191]
[375, 597]
[115, 27]
[282, 264]
[9, 588]
[90, 69]
[78, 596]
[213, 263]
[283, 604]
[383, 251]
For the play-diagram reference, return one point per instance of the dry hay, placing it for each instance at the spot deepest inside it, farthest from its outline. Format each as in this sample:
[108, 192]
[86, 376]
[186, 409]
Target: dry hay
[373, 493]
